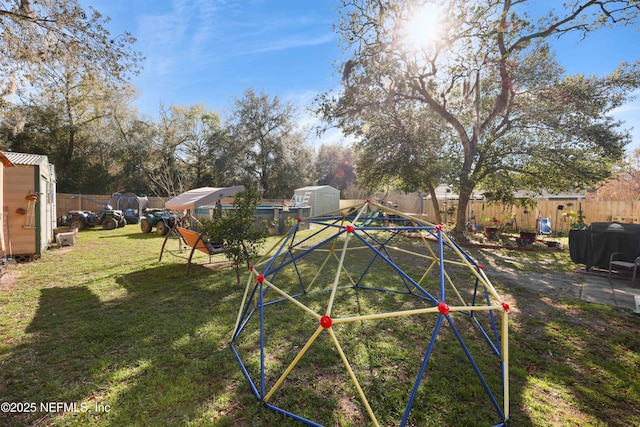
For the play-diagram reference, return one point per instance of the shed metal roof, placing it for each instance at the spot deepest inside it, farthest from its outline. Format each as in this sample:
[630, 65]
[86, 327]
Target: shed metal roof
[316, 187]
[23, 159]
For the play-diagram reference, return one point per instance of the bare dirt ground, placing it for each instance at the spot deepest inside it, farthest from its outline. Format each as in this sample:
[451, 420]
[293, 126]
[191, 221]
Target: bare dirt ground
[537, 276]
[10, 275]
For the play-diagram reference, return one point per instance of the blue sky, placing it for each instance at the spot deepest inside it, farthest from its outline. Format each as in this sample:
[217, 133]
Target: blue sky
[210, 51]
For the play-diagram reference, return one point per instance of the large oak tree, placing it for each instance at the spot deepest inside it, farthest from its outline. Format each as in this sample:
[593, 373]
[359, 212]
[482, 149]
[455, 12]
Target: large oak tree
[485, 70]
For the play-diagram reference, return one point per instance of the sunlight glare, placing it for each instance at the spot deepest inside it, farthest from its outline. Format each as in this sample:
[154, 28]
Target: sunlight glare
[425, 27]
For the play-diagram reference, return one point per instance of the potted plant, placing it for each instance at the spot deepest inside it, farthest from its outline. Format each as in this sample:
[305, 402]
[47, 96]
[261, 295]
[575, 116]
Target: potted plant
[491, 228]
[528, 235]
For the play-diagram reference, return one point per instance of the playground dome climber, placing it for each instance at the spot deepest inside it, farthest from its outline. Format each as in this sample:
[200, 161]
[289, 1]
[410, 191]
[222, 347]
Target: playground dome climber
[325, 305]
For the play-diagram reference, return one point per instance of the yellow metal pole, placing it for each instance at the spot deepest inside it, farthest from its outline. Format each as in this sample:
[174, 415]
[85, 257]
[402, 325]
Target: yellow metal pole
[365, 402]
[505, 361]
[337, 278]
[293, 363]
[244, 299]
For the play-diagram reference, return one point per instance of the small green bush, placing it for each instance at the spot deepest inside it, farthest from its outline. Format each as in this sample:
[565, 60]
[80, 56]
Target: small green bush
[235, 229]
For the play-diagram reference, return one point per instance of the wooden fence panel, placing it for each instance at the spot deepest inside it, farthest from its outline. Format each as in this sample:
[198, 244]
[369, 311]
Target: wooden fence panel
[91, 202]
[78, 202]
[593, 210]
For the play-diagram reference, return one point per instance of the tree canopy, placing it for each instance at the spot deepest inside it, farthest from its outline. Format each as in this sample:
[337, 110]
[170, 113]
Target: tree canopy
[624, 184]
[463, 93]
[52, 33]
[62, 72]
[501, 106]
[272, 152]
[335, 166]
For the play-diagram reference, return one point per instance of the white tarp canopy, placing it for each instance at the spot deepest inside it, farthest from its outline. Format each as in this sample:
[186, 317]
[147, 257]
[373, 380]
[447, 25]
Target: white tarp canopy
[201, 197]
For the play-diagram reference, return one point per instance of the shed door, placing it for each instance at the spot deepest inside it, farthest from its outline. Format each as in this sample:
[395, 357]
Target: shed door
[328, 203]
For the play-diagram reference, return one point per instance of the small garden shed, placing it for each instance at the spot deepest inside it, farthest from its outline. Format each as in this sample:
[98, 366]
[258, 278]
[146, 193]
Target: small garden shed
[5, 164]
[29, 204]
[321, 198]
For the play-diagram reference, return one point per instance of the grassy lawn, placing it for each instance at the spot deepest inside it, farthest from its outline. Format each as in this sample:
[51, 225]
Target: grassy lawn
[133, 342]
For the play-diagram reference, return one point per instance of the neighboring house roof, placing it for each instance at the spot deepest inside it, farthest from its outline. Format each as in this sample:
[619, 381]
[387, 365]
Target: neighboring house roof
[443, 192]
[23, 159]
[550, 196]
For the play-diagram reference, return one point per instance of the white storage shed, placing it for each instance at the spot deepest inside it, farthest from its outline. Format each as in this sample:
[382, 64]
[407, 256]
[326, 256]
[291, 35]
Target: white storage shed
[321, 198]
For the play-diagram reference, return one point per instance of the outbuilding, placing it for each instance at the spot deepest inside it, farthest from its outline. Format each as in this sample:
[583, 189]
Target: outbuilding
[3, 244]
[321, 198]
[29, 205]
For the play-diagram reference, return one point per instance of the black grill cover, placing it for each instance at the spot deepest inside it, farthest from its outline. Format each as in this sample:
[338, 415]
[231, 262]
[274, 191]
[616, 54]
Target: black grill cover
[594, 245]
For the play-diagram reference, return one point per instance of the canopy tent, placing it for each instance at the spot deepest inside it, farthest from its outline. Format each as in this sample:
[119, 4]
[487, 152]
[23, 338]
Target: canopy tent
[203, 196]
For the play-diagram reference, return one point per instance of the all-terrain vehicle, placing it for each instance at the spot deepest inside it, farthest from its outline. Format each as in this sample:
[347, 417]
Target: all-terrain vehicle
[162, 219]
[107, 217]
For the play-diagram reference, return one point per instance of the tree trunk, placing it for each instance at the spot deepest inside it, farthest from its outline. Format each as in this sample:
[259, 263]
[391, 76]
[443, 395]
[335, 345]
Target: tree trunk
[70, 149]
[461, 217]
[238, 274]
[436, 205]
[466, 189]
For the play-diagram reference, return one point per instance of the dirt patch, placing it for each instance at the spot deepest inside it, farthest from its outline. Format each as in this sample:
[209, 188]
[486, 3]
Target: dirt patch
[64, 250]
[9, 278]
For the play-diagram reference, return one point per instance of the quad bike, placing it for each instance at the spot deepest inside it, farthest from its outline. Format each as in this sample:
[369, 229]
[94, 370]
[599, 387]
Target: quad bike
[108, 218]
[161, 219]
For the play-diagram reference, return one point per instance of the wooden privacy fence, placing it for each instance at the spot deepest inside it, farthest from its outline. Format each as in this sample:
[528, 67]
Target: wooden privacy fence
[561, 219]
[91, 202]
[563, 213]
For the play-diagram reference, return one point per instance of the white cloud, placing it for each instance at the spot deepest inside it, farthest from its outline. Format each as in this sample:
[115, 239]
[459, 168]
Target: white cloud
[629, 113]
[309, 122]
[632, 107]
[173, 38]
[289, 42]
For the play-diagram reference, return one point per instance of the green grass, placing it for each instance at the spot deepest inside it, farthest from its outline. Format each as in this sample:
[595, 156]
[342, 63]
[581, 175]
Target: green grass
[134, 342]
